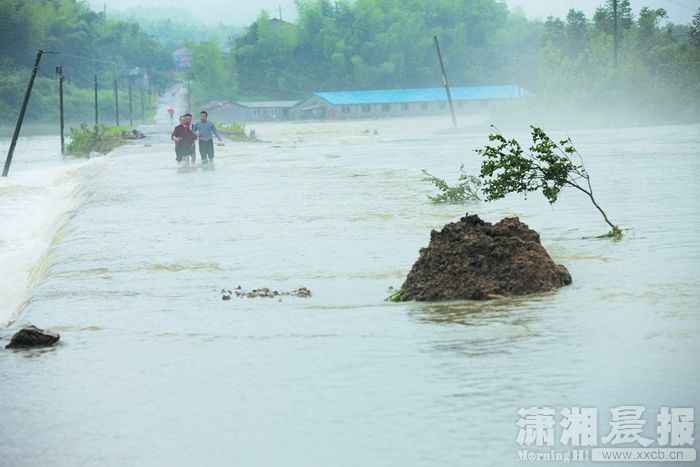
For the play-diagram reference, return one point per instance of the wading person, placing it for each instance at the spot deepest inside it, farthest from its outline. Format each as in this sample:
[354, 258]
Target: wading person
[205, 131]
[184, 140]
[193, 150]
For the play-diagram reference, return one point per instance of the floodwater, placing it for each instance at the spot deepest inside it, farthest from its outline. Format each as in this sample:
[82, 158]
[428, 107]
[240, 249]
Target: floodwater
[126, 255]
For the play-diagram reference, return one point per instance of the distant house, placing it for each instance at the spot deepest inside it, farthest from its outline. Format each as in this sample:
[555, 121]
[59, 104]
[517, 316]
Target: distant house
[263, 111]
[266, 110]
[400, 102]
[183, 58]
[219, 110]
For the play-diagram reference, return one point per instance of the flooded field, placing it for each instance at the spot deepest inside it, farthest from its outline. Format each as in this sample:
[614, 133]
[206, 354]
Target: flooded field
[126, 256]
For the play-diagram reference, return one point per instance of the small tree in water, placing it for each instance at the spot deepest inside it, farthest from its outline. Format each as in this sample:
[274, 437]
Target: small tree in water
[547, 166]
[466, 190]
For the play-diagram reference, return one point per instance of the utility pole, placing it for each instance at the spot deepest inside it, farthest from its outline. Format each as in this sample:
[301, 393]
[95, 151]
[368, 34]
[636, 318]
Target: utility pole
[616, 40]
[59, 72]
[95, 100]
[143, 110]
[189, 94]
[116, 101]
[131, 120]
[280, 10]
[444, 80]
[22, 111]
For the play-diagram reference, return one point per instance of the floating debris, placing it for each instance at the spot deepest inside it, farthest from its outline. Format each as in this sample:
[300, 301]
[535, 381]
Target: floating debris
[264, 292]
[133, 134]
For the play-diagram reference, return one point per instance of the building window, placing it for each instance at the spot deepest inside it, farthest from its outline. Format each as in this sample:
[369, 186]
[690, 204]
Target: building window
[345, 109]
[443, 105]
[424, 106]
[460, 104]
[404, 106]
[365, 108]
[385, 107]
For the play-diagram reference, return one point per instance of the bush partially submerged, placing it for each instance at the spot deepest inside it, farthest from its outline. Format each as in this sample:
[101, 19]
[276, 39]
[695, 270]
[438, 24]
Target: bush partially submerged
[466, 190]
[394, 296]
[99, 138]
[237, 132]
[615, 234]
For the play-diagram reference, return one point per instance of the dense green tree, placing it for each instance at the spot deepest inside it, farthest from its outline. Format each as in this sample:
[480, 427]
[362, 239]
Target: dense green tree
[694, 30]
[173, 33]
[604, 17]
[576, 32]
[214, 76]
[657, 78]
[384, 44]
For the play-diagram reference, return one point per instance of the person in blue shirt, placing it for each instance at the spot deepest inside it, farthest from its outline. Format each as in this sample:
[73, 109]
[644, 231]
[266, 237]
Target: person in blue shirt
[206, 131]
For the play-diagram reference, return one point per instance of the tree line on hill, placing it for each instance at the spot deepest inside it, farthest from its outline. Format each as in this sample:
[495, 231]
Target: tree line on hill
[90, 43]
[567, 63]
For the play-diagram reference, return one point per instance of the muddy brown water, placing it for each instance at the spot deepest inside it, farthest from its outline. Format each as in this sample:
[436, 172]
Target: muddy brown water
[126, 256]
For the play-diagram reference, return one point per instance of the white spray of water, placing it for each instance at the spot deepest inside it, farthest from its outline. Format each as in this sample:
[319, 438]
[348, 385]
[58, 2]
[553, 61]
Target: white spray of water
[34, 202]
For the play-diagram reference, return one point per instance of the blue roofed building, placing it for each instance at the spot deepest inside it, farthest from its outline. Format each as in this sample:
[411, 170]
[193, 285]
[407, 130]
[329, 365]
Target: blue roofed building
[401, 102]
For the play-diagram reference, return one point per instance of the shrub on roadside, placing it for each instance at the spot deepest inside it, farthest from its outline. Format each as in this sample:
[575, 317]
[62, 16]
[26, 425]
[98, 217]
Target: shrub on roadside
[236, 132]
[98, 138]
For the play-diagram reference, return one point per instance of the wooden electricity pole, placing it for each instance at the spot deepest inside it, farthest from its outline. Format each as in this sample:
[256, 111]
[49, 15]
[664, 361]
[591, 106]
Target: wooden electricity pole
[96, 114]
[444, 80]
[616, 39]
[59, 72]
[22, 111]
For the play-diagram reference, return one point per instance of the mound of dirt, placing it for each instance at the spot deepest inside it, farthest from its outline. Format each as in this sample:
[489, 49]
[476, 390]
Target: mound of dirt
[475, 260]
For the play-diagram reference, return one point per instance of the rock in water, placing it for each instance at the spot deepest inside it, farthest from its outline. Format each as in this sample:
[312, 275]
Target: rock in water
[475, 260]
[32, 336]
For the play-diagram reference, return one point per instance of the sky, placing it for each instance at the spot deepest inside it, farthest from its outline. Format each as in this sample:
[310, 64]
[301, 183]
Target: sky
[243, 12]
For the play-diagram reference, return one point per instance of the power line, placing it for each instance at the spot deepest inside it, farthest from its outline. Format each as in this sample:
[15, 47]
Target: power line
[89, 58]
[682, 4]
[110, 62]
